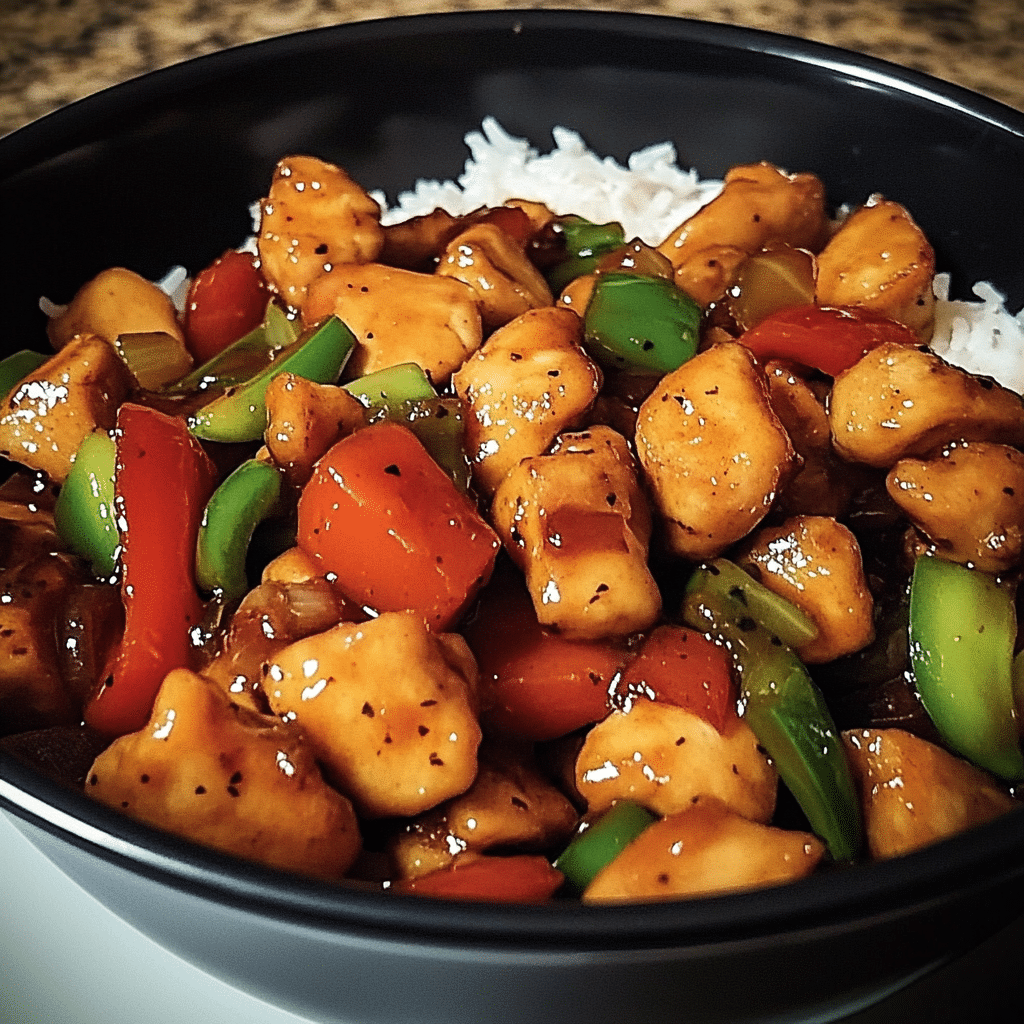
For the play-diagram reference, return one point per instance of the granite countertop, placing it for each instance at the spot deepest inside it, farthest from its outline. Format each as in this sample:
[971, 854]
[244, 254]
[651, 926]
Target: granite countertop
[55, 51]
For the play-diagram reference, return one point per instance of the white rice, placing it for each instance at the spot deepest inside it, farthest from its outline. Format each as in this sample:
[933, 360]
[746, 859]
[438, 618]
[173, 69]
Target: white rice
[982, 337]
[650, 197]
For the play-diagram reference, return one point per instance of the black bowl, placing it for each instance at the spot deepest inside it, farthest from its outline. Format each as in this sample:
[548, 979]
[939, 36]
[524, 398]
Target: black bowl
[161, 170]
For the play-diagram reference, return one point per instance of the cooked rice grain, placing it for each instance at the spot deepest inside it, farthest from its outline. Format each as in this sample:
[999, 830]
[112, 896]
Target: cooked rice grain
[650, 197]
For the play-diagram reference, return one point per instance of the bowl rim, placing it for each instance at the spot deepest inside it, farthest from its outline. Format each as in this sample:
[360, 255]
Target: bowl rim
[987, 855]
[58, 128]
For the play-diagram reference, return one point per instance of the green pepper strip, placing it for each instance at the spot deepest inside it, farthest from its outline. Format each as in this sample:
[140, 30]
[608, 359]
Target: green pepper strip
[585, 244]
[16, 367]
[962, 631]
[391, 387]
[84, 512]
[639, 323]
[242, 359]
[403, 393]
[1018, 683]
[240, 414]
[775, 613]
[602, 842]
[242, 501]
[785, 710]
[439, 425]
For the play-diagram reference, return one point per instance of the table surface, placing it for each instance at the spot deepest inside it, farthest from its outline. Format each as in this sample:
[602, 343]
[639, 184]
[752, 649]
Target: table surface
[55, 51]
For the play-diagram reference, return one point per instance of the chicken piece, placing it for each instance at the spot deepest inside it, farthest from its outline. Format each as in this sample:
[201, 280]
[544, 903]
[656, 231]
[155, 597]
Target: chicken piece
[291, 566]
[760, 205]
[713, 450]
[45, 418]
[576, 295]
[24, 536]
[702, 851]
[28, 492]
[915, 793]
[528, 382]
[823, 484]
[416, 243]
[223, 776]
[32, 600]
[510, 805]
[540, 215]
[303, 420]
[115, 302]
[968, 500]
[270, 617]
[899, 400]
[815, 563]
[389, 708]
[577, 523]
[89, 629]
[666, 757]
[495, 266]
[879, 259]
[399, 316]
[27, 528]
[314, 217]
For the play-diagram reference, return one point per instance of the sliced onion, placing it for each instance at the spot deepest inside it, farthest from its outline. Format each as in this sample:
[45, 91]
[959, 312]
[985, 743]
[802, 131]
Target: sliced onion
[768, 281]
[156, 358]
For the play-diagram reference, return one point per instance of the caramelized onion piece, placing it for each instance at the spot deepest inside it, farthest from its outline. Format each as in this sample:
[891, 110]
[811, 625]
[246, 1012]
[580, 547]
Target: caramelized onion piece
[768, 281]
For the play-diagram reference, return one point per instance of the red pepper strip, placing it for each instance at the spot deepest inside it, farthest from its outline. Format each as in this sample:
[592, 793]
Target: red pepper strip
[520, 879]
[164, 480]
[826, 338]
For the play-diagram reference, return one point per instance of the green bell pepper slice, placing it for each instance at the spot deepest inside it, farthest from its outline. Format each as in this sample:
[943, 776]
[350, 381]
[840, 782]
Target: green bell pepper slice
[585, 245]
[601, 843]
[775, 613]
[963, 625]
[242, 501]
[641, 324]
[786, 712]
[84, 513]
[391, 387]
[403, 393]
[16, 367]
[441, 429]
[242, 359]
[240, 414]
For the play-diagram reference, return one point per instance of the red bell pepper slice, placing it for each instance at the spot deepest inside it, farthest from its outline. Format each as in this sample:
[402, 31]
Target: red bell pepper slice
[535, 685]
[826, 338]
[164, 480]
[383, 517]
[519, 879]
[225, 301]
[680, 666]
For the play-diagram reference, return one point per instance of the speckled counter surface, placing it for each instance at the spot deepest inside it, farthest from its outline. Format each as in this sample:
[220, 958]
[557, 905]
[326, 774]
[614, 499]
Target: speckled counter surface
[55, 51]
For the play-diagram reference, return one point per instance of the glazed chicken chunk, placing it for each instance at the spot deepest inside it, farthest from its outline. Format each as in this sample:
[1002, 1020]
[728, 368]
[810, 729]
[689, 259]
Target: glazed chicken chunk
[713, 450]
[397, 742]
[577, 522]
[241, 782]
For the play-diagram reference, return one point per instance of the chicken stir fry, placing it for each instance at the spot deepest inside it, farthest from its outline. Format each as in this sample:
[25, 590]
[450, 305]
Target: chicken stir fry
[502, 557]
